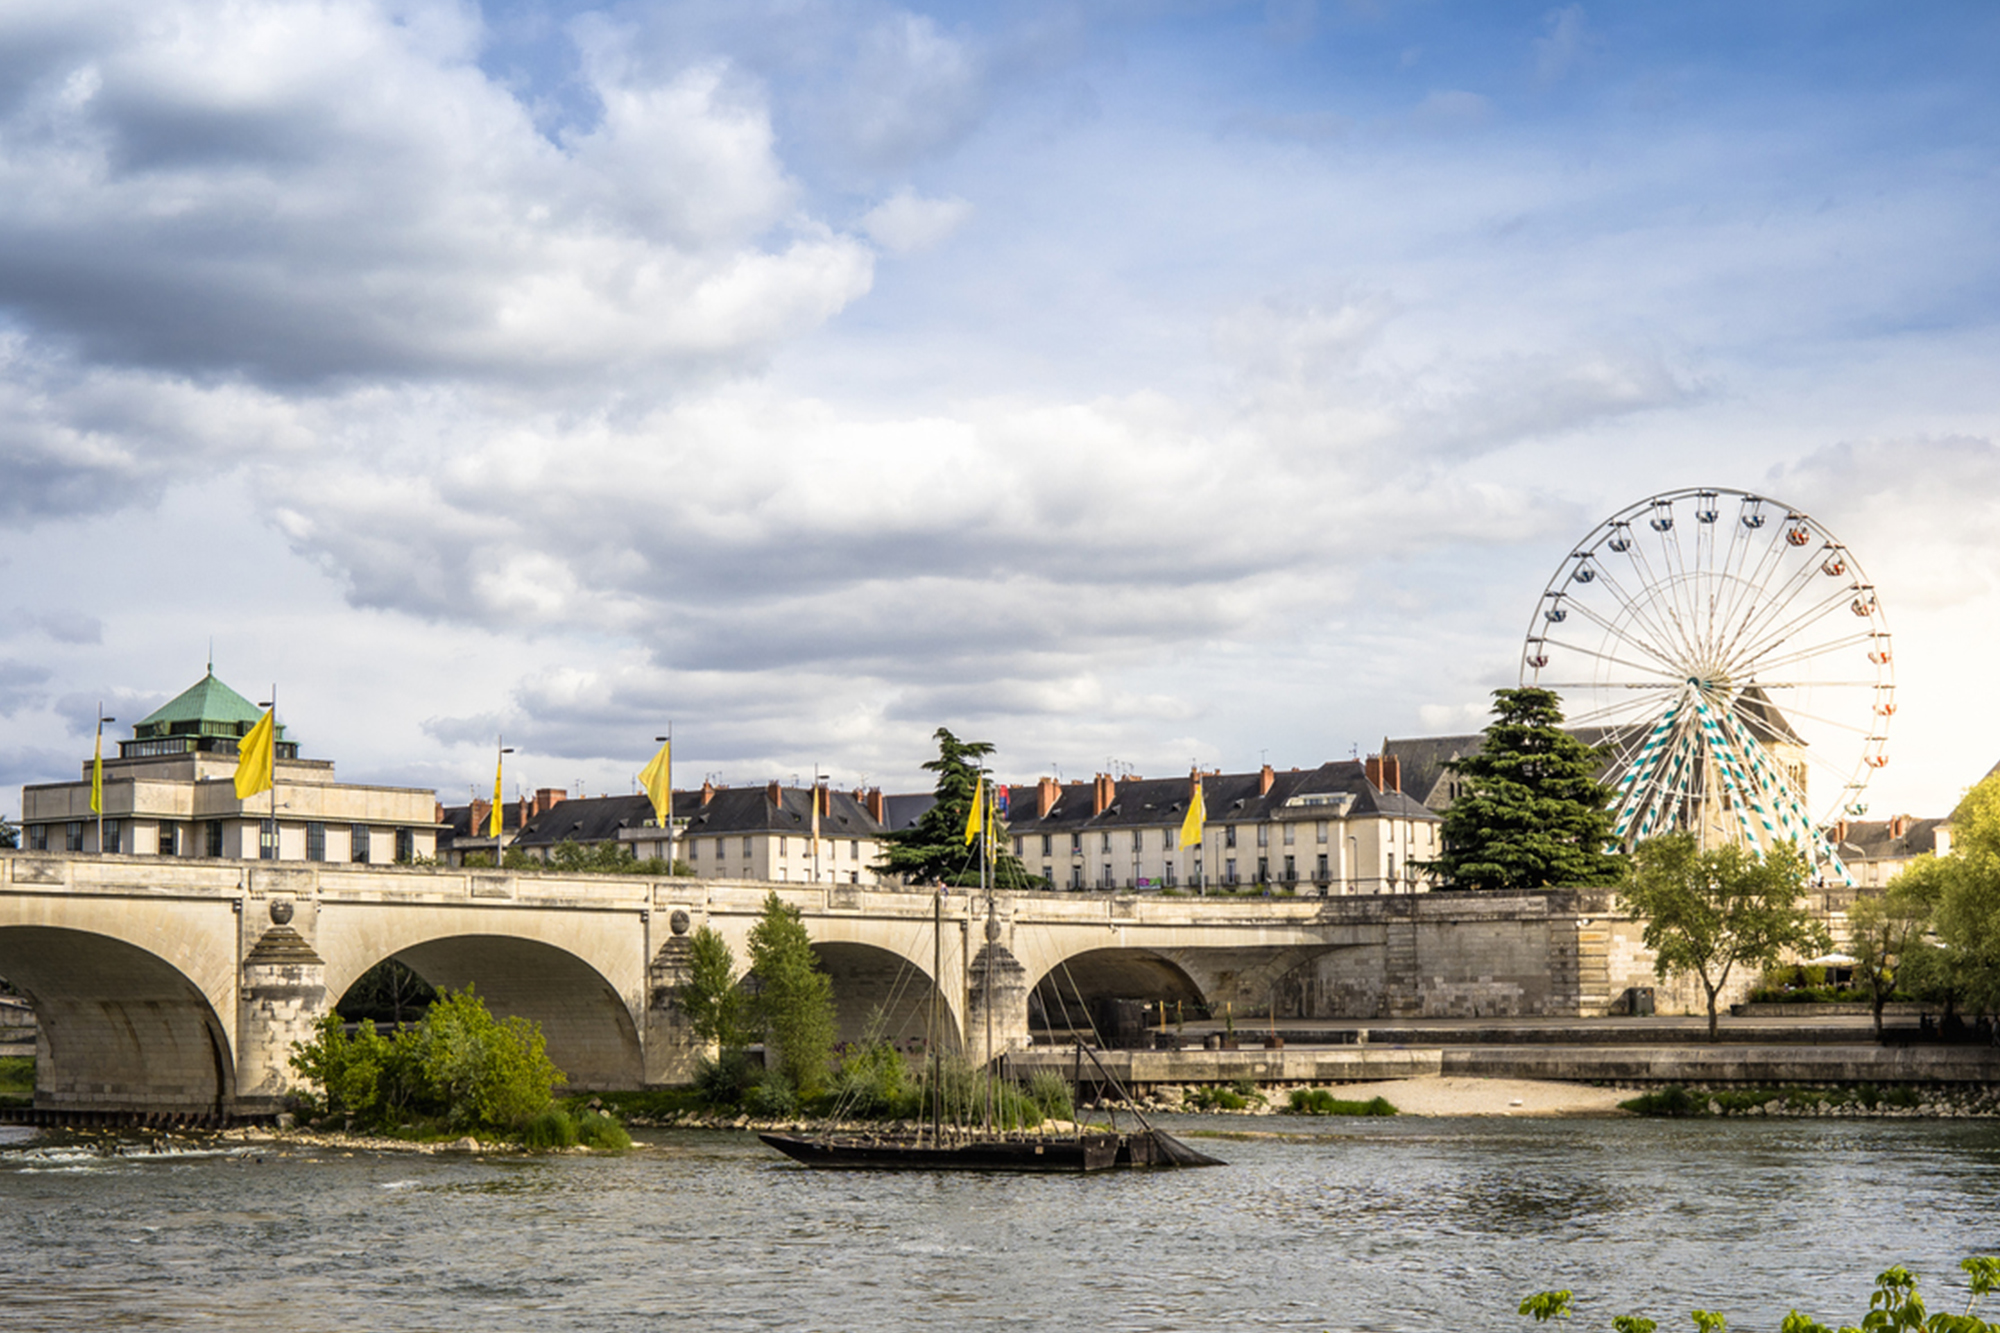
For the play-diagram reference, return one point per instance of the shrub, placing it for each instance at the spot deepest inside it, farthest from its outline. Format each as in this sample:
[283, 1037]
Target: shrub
[1217, 1099]
[594, 1129]
[1673, 1100]
[772, 1097]
[458, 1070]
[722, 1081]
[1318, 1101]
[548, 1131]
[1052, 1095]
[874, 1082]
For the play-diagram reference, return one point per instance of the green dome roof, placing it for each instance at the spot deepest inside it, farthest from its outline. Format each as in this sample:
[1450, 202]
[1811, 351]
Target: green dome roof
[206, 708]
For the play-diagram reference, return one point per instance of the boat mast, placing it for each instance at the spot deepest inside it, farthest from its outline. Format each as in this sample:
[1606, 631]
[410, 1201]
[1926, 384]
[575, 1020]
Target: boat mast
[986, 868]
[931, 1029]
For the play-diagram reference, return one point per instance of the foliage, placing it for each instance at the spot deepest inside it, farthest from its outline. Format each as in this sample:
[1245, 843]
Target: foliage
[793, 1007]
[874, 1082]
[722, 1081]
[458, 1070]
[710, 999]
[388, 992]
[1881, 929]
[10, 833]
[1531, 813]
[1677, 1101]
[1318, 1101]
[570, 857]
[965, 1090]
[550, 1130]
[1217, 1099]
[1894, 1305]
[1052, 1095]
[17, 1078]
[1708, 911]
[934, 850]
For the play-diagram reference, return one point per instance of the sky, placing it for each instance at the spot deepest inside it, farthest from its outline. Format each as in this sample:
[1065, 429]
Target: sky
[1129, 385]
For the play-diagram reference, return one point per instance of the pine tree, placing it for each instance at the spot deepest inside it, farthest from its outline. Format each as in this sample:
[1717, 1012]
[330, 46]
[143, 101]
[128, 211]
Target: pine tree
[1531, 813]
[934, 849]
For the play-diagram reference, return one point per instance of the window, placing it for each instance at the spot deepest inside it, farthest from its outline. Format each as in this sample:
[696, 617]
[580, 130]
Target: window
[114, 836]
[1291, 869]
[170, 840]
[315, 840]
[406, 846]
[73, 837]
[854, 850]
[267, 840]
[357, 844]
[1263, 869]
[1229, 870]
[1138, 840]
[1322, 872]
[1017, 846]
[1321, 831]
[213, 841]
[1171, 881]
[1107, 842]
[1229, 835]
[1391, 875]
[1106, 882]
[1048, 873]
[854, 877]
[1076, 844]
[1290, 834]
[1076, 877]
[1263, 835]
[38, 837]
[746, 848]
[784, 845]
[1048, 845]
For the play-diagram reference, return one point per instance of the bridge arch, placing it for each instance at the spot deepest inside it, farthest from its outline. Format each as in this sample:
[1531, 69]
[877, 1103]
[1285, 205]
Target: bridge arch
[880, 992]
[586, 1016]
[120, 1025]
[1068, 991]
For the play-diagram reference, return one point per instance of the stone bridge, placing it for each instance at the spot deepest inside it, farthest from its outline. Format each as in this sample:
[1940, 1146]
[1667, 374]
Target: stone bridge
[179, 986]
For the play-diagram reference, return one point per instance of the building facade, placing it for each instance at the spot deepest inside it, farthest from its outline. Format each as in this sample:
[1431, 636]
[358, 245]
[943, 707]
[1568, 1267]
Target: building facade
[171, 791]
[1342, 829]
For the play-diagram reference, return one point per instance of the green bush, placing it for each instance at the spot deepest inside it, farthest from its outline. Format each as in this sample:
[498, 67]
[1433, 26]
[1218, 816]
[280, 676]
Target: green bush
[602, 1132]
[772, 1097]
[17, 1078]
[457, 1071]
[1673, 1100]
[1217, 1099]
[1318, 1101]
[1052, 1095]
[548, 1131]
[874, 1083]
[721, 1082]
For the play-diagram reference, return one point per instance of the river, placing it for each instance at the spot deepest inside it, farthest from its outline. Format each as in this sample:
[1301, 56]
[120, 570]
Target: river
[1394, 1224]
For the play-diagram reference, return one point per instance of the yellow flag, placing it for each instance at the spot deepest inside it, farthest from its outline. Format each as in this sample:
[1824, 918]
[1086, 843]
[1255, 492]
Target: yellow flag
[975, 821]
[97, 775]
[657, 777]
[493, 820]
[256, 758]
[1197, 816]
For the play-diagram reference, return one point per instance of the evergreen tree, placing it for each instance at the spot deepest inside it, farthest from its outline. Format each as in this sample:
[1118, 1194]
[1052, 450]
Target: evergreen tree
[710, 999]
[794, 1004]
[934, 849]
[1532, 813]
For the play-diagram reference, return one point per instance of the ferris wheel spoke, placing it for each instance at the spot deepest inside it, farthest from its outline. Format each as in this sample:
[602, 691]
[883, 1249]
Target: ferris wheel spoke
[1602, 657]
[1611, 628]
[1769, 561]
[1647, 608]
[1820, 718]
[1776, 636]
[1647, 614]
[1854, 640]
[1686, 598]
[1760, 614]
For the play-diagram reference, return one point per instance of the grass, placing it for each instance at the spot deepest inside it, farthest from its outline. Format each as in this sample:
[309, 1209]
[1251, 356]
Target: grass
[1318, 1101]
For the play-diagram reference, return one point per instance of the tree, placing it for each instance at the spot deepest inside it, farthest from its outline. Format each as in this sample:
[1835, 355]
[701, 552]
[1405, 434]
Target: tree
[934, 848]
[794, 1002]
[1708, 911]
[1967, 888]
[1532, 813]
[710, 998]
[1882, 928]
[388, 992]
[10, 836]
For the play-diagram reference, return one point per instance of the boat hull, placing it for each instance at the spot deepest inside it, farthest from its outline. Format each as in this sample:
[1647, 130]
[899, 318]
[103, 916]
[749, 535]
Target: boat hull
[1092, 1152]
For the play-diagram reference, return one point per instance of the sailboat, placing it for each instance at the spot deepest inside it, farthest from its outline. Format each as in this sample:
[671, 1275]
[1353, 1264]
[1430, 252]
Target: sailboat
[937, 1146]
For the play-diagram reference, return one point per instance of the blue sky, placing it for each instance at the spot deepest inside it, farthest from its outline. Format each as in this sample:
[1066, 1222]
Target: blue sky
[1130, 383]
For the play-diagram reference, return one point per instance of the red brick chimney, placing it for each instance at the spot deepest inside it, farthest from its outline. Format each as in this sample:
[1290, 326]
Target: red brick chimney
[1839, 831]
[1392, 771]
[775, 794]
[548, 798]
[1103, 792]
[877, 807]
[1899, 825]
[1372, 767]
[480, 810]
[707, 791]
[1265, 778]
[1047, 793]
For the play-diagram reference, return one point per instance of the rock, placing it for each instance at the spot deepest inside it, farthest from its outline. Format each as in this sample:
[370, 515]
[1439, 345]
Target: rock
[286, 1120]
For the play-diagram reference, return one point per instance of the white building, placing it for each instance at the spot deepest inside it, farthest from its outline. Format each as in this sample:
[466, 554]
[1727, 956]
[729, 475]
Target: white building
[171, 791]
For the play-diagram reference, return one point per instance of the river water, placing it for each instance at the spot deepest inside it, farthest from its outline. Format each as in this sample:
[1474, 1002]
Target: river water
[1394, 1224]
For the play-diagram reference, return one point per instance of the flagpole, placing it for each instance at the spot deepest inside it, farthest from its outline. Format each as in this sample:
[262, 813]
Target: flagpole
[97, 776]
[274, 770]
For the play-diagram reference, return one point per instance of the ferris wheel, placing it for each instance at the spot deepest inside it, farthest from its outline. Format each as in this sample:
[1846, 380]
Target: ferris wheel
[1731, 658]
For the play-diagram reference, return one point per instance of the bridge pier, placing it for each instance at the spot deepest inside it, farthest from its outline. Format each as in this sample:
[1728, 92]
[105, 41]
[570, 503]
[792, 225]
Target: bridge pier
[671, 1051]
[283, 995]
[1008, 1005]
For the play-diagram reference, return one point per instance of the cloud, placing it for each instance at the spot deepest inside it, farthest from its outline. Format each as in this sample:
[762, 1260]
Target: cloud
[20, 685]
[906, 222]
[71, 627]
[306, 196]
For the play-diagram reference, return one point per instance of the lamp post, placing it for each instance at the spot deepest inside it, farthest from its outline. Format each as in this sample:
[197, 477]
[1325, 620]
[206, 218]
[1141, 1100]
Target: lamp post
[499, 812]
[1353, 865]
[668, 741]
[272, 704]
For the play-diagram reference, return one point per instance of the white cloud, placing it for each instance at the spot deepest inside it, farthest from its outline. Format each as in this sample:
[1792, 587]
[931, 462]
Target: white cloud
[907, 222]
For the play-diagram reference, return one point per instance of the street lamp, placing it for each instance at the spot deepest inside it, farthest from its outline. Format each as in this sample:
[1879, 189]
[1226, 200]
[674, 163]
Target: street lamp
[1353, 865]
[668, 741]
